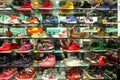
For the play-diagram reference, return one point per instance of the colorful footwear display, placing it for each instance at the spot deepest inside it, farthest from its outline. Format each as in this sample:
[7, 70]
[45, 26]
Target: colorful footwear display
[59, 39]
[49, 61]
[11, 20]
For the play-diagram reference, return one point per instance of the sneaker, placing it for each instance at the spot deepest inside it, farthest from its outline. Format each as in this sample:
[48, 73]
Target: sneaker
[61, 34]
[35, 3]
[27, 74]
[45, 47]
[47, 5]
[25, 48]
[24, 62]
[49, 61]
[97, 45]
[34, 30]
[71, 19]
[6, 47]
[33, 20]
[86, 20]
[51, 21]
[6, 6]
[25, 8]
[68, 5]
[86, 5]
[8, 73]
[72, 47]
[72, 62]
[4, 61]
[50, 74]
[11, 20]
[40, 35]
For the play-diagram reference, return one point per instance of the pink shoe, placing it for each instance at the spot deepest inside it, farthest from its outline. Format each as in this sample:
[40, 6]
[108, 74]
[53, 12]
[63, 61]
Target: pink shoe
[49, 61]
[25, 48]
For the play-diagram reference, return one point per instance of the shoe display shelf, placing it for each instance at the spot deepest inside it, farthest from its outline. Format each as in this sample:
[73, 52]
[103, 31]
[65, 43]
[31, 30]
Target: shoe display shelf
[50, 50]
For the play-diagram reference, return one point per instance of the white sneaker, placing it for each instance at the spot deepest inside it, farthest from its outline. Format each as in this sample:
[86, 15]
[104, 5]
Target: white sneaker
[11, 20]
[62, 34]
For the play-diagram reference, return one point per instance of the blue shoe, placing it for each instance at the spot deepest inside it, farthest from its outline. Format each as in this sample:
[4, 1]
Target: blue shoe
[104, 6]
[71, 19]
[7, 6]
[50, 21]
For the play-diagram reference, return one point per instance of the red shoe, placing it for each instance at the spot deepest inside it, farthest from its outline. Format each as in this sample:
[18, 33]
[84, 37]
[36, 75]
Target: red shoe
[27, 74]
[114, 59]
[5, 47]
[8, 73]
[25, 8]
[14, 45]
[47, 4]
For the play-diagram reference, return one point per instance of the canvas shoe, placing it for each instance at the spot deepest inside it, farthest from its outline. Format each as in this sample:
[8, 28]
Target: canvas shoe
[47, 5]
[6, 6]
[5, 47]
[71, 19]
[86, 20]
[11, 20]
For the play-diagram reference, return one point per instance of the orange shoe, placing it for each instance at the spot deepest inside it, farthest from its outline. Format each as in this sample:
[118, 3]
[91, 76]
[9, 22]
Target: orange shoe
[32, 20]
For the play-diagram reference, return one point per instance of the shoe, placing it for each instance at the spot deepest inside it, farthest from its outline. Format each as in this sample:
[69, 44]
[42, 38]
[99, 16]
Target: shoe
[11, 20]
[8, 73]
[27, 74]
[80, 35]
[6, 6]
[71, 19]
[61, 34]
[86, 5]
[4, 61]
[112, 44]
[47, 5]
[45, 47]
[40, 35]
[86, 20]
[49, 61]
[25, 8]
[32, 21]
[71, 62]
[50, 74]
[97, 45]
[72, 47]
[5, 47]
[34, 30]
[100, 61]
[24, 62]
[68, 5]
[51, 21]
[25, 48]
[35, 3]
[74, 74]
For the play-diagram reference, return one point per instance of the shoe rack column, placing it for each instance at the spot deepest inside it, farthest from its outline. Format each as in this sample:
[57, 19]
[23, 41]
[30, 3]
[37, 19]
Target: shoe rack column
[118, 17]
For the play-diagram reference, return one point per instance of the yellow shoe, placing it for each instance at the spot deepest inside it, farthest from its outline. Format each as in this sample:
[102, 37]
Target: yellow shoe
[99, 2]
[68, 5]
[35, 3]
